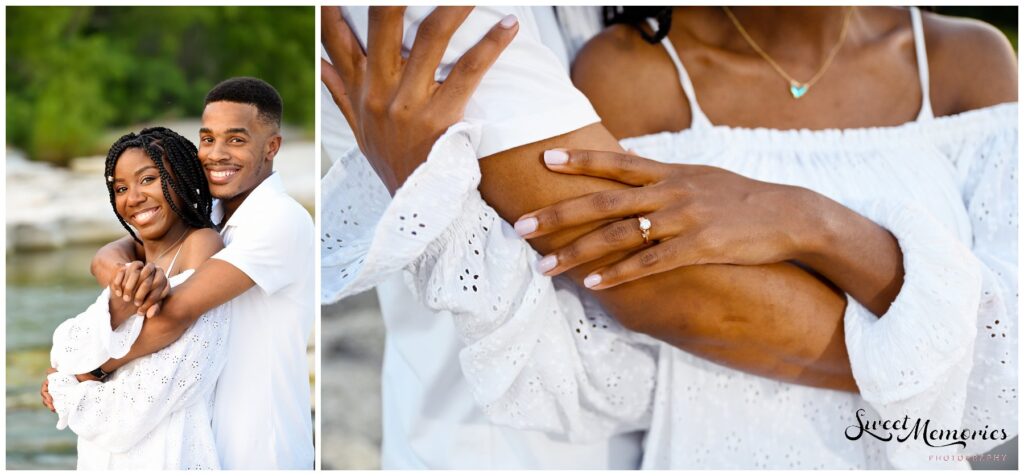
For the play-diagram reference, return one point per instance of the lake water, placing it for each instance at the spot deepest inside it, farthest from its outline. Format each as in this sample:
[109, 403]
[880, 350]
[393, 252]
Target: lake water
[43, 289]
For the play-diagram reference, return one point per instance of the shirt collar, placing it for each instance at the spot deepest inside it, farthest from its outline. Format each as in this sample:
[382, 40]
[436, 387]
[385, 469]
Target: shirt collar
[251, 207]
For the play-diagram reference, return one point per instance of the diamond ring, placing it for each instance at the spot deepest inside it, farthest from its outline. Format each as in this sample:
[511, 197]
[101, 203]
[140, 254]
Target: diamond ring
[645, 228]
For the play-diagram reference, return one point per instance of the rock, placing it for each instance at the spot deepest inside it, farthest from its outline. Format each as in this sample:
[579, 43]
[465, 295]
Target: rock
[353, 346]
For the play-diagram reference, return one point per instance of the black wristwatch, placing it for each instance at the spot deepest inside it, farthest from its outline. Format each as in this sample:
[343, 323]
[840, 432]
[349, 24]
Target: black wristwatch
[99, 373]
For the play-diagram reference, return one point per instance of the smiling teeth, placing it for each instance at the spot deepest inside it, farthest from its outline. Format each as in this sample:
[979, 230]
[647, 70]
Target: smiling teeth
[220, 174]
[144, 216]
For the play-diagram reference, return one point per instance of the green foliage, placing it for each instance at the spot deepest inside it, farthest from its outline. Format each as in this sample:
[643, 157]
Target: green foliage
[73, 72]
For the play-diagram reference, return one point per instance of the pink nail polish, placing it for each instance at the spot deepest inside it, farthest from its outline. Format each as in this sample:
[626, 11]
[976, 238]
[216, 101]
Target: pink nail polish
[526, 226]
[592, 280]
[555, 157]
[547, 264]
[508, 22]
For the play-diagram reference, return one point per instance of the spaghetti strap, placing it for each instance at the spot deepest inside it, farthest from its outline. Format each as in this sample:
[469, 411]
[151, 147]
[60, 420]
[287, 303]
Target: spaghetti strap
[698, 119]
[922, 65]
[170, 267]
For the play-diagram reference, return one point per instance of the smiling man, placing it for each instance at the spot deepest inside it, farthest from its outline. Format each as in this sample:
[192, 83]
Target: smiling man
[261, 416]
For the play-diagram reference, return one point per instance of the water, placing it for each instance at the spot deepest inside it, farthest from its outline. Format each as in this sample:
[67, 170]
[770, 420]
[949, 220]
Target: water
[43, 289]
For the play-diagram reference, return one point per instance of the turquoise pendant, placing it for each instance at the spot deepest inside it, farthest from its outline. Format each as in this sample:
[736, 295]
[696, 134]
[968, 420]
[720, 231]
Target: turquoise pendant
[797, 91]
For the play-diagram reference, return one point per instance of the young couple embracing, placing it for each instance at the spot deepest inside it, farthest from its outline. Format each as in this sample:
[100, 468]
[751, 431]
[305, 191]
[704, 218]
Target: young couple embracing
[710, 244]
[194, 354]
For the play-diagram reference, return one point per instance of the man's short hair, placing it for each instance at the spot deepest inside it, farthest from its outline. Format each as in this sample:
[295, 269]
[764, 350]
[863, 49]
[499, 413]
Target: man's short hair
[253, 91]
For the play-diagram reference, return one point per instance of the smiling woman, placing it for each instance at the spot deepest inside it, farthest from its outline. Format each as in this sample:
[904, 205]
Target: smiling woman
[159, 193]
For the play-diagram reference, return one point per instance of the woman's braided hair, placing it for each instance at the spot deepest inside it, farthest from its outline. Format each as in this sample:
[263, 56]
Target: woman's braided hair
[637, 18]
[181, 156]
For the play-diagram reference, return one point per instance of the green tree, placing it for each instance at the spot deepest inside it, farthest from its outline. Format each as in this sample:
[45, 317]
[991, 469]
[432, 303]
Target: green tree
[73, 72]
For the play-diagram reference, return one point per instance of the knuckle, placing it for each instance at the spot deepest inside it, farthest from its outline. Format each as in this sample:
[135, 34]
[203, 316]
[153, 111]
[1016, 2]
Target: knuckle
[627, 161]
[430, 29]
[617, 233]
[471, 63]
[583, 159]
[570, 253]
[648, 258]
[605, 202]
[375, 104]
[551, 218]
[398, 111]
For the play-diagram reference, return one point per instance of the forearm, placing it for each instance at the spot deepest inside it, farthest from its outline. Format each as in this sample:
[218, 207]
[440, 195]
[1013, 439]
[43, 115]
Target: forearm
[856, 254]
[778, 321]
[157, 333]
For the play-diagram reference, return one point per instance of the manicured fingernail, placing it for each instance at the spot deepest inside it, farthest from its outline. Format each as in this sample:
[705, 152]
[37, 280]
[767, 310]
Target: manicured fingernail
[127, 298]
[592, 280]
[547, 263]
[508, 22]
[555, 157]
[526, 226]
[151, 312]
[138, 303]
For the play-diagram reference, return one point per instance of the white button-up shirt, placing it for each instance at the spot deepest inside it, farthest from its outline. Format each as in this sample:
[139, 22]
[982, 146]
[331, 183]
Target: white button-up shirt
[262, 414]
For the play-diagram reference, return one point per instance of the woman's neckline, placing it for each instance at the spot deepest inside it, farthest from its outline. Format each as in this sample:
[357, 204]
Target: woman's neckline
[916, 124]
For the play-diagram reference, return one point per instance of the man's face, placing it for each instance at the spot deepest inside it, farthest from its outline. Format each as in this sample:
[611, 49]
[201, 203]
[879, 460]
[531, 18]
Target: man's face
[236, 148]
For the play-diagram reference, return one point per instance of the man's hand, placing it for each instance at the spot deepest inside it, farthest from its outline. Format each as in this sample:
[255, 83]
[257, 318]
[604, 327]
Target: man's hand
[394, 106]
[44, 391]
[143, 285]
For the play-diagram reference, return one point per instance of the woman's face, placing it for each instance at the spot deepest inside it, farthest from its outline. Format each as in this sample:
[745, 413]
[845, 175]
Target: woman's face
[139, 197]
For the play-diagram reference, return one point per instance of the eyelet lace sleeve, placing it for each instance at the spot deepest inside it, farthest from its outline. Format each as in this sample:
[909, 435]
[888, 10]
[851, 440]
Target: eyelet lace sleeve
[536, 356]
[946, 350]
[119, 413]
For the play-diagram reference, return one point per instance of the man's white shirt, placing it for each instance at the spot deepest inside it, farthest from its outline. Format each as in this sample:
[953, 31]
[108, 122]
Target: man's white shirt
[262, 416]
[430, 418]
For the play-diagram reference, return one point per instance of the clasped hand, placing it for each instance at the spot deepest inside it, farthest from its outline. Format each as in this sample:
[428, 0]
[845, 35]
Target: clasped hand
[139, 284]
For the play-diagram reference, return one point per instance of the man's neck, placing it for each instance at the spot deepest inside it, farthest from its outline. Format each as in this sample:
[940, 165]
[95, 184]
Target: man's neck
[230, 205]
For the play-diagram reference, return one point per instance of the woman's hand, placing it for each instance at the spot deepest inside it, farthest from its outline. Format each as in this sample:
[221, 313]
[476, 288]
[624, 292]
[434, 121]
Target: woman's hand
[394, 106]
[697, 214]
[707, 215]
[44, 391]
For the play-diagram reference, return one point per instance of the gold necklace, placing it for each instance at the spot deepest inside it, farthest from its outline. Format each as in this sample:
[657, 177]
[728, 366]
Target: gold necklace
[796, 88]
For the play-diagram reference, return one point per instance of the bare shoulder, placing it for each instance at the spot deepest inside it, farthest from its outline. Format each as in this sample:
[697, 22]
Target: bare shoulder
[972, 64]
[621, 74]
[200, 246]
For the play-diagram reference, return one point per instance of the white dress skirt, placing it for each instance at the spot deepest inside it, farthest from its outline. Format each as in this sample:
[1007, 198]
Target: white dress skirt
[152, 413]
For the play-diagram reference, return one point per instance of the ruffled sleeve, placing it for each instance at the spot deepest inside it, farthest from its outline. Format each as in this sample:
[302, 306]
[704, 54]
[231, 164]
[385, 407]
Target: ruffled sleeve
[946, 350]
[536, 357]
[83, 343]
[118, 413]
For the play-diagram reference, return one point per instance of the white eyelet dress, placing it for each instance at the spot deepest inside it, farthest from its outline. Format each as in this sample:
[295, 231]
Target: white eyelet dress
[155, 411]
[541, 354]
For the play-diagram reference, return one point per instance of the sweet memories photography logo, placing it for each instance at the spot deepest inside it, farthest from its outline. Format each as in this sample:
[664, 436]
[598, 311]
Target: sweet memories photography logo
[919, 430]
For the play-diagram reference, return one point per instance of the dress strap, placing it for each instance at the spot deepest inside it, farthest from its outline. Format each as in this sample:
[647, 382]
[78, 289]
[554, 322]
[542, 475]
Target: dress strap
[698, 119]
[170, 267]
[922, 65]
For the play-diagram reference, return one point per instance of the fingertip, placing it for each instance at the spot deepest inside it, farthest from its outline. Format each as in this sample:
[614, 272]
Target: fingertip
[509, 22]
[525, 226]
[556, 157]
